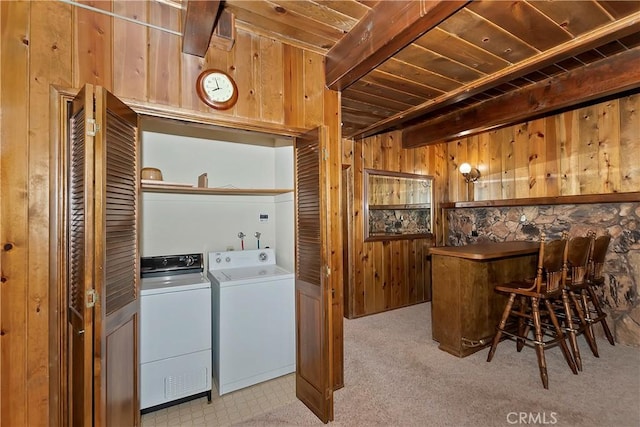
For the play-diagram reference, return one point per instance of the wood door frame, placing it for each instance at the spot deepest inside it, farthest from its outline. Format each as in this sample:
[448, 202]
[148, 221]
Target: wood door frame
[58, 336]
[347, 238]
[60, 99]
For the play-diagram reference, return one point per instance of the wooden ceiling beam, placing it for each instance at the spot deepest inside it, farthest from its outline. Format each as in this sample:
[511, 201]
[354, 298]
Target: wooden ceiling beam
[200, 19]
[608, 76]
[605, 34]
[388, 27]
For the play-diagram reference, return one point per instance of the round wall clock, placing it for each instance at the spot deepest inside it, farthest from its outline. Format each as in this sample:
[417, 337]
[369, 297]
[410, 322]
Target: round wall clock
[217, 89]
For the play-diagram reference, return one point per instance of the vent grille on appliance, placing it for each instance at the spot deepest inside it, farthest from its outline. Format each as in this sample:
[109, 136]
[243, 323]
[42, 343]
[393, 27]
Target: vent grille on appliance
[176, 386]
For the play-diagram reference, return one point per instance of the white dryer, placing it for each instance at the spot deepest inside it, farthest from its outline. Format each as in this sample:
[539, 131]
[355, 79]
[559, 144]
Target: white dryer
[253, 318]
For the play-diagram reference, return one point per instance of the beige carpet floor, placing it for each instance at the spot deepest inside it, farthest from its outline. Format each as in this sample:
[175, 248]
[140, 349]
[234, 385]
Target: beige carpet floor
[395, 375]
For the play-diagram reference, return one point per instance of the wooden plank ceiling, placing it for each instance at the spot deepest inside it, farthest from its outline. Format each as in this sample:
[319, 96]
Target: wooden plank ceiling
[441, 69]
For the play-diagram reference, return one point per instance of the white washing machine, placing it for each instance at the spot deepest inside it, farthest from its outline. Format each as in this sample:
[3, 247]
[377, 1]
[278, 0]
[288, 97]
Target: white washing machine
[253, 316]
[175, 331]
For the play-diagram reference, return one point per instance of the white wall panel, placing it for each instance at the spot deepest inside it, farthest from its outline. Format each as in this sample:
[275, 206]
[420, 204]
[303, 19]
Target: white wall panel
[184, 223]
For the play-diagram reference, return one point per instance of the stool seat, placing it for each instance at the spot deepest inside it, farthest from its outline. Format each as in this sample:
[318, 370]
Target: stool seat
[522, 287]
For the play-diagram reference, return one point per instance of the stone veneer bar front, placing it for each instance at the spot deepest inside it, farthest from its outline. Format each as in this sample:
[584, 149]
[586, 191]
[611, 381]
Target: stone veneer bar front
[619, 296]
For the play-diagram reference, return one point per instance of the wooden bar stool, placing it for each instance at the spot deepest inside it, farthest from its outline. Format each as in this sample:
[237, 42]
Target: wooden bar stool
[572, 310]
[523, 312]
[595, 280]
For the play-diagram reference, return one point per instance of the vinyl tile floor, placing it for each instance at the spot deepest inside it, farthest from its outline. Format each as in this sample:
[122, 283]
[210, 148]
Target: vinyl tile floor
[228, 409]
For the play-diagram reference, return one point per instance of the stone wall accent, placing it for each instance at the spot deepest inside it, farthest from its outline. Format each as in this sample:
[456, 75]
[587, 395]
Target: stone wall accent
[622, 269]
[399, 221]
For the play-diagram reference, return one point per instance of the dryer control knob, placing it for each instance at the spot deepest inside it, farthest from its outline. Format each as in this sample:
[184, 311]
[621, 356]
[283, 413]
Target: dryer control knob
[218, 260]
[263, 256]
[228, 259]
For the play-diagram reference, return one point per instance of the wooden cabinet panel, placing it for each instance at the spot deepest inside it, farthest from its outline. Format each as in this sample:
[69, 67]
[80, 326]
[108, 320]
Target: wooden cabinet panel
[121, 366]
[465, 309]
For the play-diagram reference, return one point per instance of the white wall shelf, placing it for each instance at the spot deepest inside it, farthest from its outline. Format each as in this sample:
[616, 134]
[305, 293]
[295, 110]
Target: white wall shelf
[150, 188]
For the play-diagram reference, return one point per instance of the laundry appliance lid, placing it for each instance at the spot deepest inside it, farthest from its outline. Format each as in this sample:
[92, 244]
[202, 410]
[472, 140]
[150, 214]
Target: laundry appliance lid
[179, 283]
[266, 272]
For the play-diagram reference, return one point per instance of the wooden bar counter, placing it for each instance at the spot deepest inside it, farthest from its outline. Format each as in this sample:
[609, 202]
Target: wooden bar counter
[464, 307]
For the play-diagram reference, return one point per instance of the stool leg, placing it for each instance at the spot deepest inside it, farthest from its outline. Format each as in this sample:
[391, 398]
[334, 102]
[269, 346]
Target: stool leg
[523, 329]
[584, 295]
[571, 331]
[601, 314]
[588, 332]
[542, 363]
[560, 334]
[501, 325]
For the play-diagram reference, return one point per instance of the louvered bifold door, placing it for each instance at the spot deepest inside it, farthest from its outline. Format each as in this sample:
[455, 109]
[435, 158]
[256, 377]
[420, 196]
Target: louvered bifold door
[116, 253]
[313, 352]
[120, 201]
[102, 259]
[80, 256]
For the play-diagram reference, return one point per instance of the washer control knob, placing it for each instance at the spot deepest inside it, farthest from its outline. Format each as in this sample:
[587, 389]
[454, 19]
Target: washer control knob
[218, 260]
[263, 256]
[228, 259]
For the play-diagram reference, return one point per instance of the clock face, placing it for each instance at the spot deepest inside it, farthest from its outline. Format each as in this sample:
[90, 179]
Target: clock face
[217, 89]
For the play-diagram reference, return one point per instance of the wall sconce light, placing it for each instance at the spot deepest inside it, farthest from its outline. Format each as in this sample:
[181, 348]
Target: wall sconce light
[470, 174]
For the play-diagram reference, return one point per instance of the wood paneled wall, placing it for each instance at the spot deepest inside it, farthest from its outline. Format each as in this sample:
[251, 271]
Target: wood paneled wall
[52, 43]
[590, 150]
[278, 83]
[392, 273]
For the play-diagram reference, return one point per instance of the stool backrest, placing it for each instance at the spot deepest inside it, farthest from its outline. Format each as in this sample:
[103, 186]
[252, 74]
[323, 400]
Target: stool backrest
[552, 265]
[599, 249]
[578, 250]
